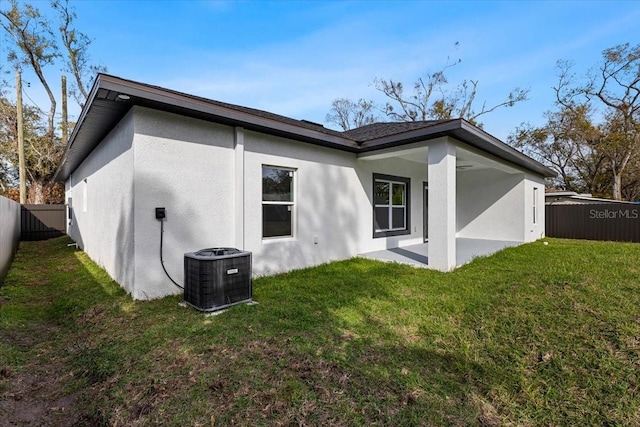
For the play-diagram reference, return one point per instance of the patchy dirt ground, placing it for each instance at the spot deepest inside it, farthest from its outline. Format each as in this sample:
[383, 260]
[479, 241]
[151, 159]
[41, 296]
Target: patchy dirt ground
[36, 399]
[39, 395]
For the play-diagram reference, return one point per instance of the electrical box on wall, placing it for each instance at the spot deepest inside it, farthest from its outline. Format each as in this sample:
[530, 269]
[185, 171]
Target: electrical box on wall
[161, 213]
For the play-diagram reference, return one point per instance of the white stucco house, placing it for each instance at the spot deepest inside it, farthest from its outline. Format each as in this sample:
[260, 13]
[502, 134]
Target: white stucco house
[292, 192]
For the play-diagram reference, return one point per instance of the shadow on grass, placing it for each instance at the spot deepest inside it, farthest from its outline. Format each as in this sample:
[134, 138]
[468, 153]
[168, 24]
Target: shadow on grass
[45, 293]
[356, 342]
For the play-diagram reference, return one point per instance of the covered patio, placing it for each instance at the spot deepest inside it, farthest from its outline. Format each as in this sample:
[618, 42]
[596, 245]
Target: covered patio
[470, 203]
[418, 255]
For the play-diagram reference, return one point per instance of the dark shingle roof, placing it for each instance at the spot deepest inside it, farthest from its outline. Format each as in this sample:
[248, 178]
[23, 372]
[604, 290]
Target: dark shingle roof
[253, 111]
[379, 130]
[112, 97]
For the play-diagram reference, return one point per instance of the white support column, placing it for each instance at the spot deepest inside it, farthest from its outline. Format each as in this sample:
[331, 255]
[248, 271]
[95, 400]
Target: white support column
[442, 205]
[238, 136]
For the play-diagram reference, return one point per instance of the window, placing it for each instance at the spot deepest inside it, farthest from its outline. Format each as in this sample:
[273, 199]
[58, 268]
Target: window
[390, 205]
[277, 202]
[84, 196]
[535, 205]
[70, 209]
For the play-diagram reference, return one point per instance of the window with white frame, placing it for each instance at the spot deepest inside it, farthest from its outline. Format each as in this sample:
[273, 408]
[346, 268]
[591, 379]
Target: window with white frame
[277, 201]
[535, 205]
[390, 205]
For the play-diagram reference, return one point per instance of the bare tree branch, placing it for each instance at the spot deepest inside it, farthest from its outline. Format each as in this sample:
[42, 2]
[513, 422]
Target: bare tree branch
[77, 46]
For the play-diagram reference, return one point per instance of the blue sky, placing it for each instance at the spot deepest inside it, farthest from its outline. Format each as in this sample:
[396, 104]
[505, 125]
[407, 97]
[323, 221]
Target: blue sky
[294, 58]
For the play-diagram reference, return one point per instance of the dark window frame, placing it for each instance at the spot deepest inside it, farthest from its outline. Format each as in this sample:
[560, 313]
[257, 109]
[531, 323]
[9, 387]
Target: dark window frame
[407, 185]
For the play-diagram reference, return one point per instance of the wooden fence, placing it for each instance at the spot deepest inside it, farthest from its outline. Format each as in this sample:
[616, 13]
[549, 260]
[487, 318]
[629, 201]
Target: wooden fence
[41, 222]
[608, 221]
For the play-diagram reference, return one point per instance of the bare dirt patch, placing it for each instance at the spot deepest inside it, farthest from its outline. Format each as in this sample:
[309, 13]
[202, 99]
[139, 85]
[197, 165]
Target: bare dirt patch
[38, 394]
[38, 398]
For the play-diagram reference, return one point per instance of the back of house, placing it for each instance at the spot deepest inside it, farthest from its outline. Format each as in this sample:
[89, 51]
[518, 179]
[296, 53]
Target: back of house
[293, 193]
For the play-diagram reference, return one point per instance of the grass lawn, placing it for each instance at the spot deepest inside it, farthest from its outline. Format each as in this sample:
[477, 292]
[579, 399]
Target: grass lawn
[534, 335]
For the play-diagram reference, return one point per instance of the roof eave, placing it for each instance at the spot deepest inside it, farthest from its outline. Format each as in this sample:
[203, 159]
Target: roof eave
[465, 132]
[152, 97]
[138, 90]
[83, 113]
[176, 102]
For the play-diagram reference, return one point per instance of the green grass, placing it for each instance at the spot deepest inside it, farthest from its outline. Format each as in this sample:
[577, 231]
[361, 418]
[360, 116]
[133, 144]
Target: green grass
[534, 335]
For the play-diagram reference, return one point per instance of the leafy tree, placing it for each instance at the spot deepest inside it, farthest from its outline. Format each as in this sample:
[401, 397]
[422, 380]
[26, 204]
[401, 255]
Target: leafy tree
[567, 143]
[33, 44]
[431, 98]
[616, 84]
[600, 155]
[41, 153]
[631, 182]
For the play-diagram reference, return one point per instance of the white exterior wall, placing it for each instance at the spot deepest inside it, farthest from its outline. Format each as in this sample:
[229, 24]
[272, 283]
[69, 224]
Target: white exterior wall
[327, 193]
[533, 232]
[186, 166]
[105, 230]
[209, 179]
[490, 205]
[9, 233]
[332, 203]
[417, 173]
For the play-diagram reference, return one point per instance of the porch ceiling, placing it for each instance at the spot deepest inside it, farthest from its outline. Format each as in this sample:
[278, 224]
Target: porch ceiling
[467, 159]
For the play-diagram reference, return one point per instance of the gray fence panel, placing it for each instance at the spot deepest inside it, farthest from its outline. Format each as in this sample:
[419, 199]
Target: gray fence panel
[41, 222]
[9, 233]
[607, 221]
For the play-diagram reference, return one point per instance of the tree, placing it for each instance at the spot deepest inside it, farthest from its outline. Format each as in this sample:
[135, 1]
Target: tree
[616, 84]
[76, 60]
[34, 45]
[589, 154]
[41, 154]
[430, 99]
[631, 182]
[567, 143]
[349, 114]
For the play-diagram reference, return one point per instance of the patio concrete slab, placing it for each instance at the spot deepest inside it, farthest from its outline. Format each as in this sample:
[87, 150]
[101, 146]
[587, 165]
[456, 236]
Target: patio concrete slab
[418, 255]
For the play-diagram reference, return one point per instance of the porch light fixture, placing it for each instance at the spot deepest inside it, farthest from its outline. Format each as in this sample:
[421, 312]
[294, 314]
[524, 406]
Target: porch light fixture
[123, 97]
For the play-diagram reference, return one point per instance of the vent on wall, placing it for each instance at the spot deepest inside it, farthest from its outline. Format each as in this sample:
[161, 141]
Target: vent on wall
[216, 278]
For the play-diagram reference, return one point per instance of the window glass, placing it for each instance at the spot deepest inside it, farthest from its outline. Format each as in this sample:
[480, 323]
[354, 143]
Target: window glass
[397, 215]
[535, 205]
[390, 205]
[381, 218]
[277, 202]
[398, 194]
[85, 197]
[277, 184]
[381, 195]
[276, 220]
